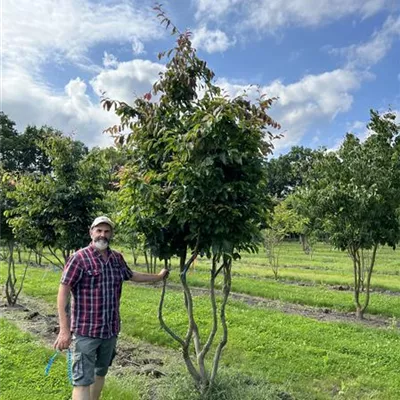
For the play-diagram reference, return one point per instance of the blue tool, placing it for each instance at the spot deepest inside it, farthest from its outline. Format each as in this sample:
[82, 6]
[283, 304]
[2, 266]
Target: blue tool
[69, 364]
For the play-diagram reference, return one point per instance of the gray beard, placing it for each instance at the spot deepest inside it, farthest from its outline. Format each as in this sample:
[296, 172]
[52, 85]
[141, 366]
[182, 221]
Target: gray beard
[101, 244]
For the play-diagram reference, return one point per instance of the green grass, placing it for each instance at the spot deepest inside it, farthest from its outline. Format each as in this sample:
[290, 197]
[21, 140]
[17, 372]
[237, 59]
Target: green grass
[318, 296]
[23, 359]
[22, 364]
[311, 359]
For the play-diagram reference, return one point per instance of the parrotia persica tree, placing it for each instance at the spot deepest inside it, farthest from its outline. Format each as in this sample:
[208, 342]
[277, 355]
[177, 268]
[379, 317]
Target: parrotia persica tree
[195, 183]
[354, 196]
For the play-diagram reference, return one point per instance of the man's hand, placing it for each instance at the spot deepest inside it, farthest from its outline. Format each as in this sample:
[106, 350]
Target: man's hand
[163, 274]
[63, 340]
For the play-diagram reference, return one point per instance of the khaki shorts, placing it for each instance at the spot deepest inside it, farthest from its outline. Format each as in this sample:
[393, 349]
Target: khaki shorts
[90, 357]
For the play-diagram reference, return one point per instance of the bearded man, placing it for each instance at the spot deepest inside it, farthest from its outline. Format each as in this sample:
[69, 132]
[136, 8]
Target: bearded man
[94, 277]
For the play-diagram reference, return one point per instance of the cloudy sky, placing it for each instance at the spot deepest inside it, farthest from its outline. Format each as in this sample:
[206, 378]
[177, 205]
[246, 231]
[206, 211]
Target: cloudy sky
[328, 61]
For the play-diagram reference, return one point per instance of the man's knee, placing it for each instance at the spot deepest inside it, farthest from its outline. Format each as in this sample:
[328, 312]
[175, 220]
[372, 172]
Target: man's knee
[81, 393]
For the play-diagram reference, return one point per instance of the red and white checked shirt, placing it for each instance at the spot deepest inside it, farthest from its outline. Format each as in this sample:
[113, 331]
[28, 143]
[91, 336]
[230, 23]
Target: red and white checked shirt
[96, 288]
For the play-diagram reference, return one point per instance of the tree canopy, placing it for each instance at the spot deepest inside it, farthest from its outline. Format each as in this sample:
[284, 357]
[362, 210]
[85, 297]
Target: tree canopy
[354, 194]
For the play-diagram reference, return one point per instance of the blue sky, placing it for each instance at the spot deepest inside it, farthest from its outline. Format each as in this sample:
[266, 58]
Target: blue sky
[328, 61]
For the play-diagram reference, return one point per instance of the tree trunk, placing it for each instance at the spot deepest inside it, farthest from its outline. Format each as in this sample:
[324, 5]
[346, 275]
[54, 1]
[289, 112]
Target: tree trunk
[19, 254]
[134, 255]
[147, 261]
[359, 278]
[227, 267]
[11, 279]
[203, 379]
[12, 292]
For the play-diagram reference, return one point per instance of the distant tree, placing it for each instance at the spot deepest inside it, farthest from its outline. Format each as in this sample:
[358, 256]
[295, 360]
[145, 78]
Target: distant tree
[354, 196]
[10, 144]
[22, 153]
[33, 158]
[283, 221]
[12, 291]
[195, 184]
[287, 172]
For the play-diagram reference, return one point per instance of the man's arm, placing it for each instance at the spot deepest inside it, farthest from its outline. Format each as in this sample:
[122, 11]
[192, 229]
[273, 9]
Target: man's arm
[64, 337]
[143, 277]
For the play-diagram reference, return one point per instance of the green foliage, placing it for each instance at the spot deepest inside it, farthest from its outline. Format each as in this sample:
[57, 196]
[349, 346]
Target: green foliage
[196, 171]
[284, 221]
[195, 182]
[7, 185]
[289, 171]
[23, 152]
[10, 148]
[354, 193]
[56, 209]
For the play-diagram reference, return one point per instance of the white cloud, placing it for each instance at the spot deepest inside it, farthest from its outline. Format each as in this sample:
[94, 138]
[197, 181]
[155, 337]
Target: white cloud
[109, 60]
[356, 126]
[303, 104]
[63, 32]
[270, 15]
[211, 41]
[129, 80]
[372, 51]
[137, 46]
[66, 29]
[214, 9]
[71, 111]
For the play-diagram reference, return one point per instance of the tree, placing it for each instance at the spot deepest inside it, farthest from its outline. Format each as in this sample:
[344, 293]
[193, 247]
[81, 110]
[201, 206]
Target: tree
[289, 171]
[10, 144]
[354, 196]
[7, 185]
[55, 210]
[283, 222]
[33, 158]
[195, 183]
[23, 153]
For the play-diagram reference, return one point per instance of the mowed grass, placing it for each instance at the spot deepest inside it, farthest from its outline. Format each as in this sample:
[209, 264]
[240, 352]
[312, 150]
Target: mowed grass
[310, 359]
[308, 281]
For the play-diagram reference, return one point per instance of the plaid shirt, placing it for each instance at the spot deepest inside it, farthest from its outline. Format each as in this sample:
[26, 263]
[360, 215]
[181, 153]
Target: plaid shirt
[96, 288]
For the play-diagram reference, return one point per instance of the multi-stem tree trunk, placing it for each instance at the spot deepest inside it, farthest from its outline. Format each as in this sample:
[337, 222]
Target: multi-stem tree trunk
[362, 278]
[272, 242]
[196, 366]
[12, 292]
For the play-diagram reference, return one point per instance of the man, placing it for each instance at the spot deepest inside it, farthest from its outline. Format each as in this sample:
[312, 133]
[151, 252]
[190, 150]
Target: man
[94, 276]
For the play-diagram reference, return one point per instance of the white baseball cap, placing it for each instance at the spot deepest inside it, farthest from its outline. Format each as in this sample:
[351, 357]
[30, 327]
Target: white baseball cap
[102, 220]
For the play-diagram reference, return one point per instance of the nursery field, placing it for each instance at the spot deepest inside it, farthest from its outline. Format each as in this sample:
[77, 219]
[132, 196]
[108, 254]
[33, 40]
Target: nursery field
[291, 338]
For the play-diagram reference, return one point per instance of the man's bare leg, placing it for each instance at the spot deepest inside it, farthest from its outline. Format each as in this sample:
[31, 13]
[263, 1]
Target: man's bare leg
[96, 387]
[81, 393]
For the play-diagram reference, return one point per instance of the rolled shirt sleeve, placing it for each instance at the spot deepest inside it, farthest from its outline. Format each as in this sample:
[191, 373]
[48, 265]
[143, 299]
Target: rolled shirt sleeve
[72, 272]
[127, 272]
